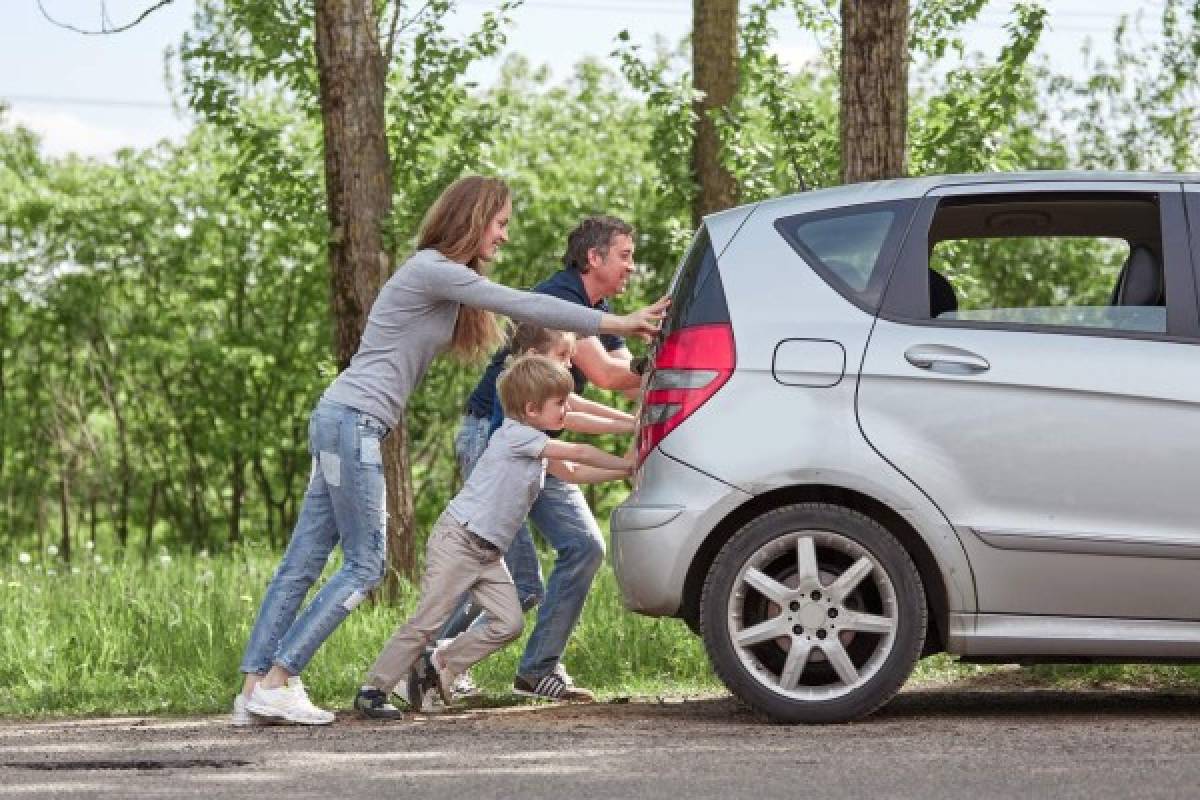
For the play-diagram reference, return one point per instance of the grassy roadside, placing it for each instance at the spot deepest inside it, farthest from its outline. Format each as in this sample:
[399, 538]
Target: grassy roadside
[166, 637]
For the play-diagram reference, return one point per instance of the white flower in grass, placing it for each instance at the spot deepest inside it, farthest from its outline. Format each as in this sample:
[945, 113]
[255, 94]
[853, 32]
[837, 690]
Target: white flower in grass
[165, 559]
[97, 559]
[51, 550]
[74, 570]
[51, 572]
[90, 545]
[202, 554]
[24, 558]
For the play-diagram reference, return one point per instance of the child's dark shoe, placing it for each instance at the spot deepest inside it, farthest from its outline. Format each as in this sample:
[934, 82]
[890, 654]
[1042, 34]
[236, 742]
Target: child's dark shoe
[373, 704]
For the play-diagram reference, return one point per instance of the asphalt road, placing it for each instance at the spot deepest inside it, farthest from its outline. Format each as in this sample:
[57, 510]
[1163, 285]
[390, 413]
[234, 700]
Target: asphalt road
[925, 744]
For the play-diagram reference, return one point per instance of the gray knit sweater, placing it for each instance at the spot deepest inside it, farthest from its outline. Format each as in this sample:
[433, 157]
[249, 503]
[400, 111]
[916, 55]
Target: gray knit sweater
[413, 320]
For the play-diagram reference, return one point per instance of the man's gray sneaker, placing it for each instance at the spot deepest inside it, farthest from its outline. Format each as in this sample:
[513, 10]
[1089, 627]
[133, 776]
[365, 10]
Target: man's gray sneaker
[552, 687]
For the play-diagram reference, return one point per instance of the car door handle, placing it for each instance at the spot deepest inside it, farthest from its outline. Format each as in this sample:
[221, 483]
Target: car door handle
[943, 358]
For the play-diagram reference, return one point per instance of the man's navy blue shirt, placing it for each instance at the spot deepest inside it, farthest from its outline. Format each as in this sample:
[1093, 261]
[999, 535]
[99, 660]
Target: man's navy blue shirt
[566, 284]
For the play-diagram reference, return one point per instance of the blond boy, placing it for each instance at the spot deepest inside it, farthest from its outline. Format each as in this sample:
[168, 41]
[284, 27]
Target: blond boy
[466, 548]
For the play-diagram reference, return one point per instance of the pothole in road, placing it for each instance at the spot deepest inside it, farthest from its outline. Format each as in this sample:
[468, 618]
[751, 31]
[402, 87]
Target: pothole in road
[126, 764]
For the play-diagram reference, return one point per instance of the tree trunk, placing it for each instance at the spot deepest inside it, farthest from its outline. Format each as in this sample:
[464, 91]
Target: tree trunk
[874, 100]
[64, 499]
[105, 360]
[151, 521]
[714, 65]
[237, 493]
[352, 72]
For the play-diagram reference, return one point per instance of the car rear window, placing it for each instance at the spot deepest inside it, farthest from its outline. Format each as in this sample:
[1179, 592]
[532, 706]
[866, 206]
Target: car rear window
[697, 294]
[852, 248]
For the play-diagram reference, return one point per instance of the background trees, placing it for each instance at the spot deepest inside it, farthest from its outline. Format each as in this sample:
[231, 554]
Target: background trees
[165, 319]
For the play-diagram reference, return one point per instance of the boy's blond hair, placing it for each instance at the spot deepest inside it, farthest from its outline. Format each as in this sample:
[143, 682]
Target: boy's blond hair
[529, 336]
[532, 379]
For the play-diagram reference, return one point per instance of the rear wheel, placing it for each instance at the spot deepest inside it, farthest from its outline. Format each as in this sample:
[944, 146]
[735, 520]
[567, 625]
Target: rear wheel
[813, 613]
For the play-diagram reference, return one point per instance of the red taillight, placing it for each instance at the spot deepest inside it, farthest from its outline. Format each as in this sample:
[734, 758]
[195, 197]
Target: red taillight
[691, 365]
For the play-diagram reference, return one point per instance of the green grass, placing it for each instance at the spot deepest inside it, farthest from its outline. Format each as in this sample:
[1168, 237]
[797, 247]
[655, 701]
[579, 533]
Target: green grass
[166, 637]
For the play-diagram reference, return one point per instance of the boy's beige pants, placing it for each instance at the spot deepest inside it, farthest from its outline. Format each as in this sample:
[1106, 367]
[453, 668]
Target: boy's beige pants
[456, 561]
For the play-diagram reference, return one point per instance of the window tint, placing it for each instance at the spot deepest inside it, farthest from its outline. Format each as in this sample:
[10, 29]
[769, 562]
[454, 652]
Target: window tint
[850, 248]
[697, 295]
[1071, 262]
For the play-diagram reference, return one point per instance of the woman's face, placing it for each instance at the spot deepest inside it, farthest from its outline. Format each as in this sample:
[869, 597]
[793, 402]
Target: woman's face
[496, 233]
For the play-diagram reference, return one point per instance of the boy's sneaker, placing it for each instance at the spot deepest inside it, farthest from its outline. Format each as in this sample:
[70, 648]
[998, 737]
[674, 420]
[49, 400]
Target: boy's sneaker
[441, 677]
[241, 718]
[373, 704]
[553, 687]
[288, 703]
[464, 687]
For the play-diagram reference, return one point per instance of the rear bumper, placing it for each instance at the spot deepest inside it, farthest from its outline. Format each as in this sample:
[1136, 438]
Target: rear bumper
[657, 531]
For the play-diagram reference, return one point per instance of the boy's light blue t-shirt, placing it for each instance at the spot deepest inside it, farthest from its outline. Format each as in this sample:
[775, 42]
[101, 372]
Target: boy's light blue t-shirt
[503, 485]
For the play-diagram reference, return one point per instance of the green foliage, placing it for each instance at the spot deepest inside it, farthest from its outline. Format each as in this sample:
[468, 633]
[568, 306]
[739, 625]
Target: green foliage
[122, 637]
[935, 25]
[781, 135]
[1141, 111]
[669, 99]
[981, 118]
[164, 319]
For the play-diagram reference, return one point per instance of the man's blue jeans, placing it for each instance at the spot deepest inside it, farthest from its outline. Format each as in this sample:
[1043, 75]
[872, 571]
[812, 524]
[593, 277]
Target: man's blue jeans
[344, 502]
[562, 516]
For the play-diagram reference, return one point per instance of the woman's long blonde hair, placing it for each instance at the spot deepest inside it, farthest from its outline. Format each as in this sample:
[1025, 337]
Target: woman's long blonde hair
[454, 226]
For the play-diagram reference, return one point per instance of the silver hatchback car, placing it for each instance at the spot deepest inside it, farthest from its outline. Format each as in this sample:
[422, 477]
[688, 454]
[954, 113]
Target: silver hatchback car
[947, 414]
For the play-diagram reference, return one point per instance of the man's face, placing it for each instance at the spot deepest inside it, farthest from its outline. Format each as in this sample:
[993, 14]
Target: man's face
[611, 271]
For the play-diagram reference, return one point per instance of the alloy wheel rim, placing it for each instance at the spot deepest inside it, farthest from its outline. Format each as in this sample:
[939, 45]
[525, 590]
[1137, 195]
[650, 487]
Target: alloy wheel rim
[812, 615]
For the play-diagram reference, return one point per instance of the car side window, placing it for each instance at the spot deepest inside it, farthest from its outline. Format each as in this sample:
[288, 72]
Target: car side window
[1076, 261]
[852, 248]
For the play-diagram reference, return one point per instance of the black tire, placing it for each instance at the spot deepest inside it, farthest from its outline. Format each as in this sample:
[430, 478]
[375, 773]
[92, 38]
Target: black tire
[748, 669]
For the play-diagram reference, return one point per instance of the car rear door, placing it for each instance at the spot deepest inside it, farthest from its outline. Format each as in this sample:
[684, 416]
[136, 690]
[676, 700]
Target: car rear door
[1039, 388]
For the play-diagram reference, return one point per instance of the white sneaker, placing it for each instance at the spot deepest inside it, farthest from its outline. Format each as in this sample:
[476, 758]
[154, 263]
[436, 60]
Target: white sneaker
[464, 687]
[241, 718]
[289, 703]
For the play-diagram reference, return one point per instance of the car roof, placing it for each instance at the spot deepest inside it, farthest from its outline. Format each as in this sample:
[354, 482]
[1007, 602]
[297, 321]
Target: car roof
[904, 188]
